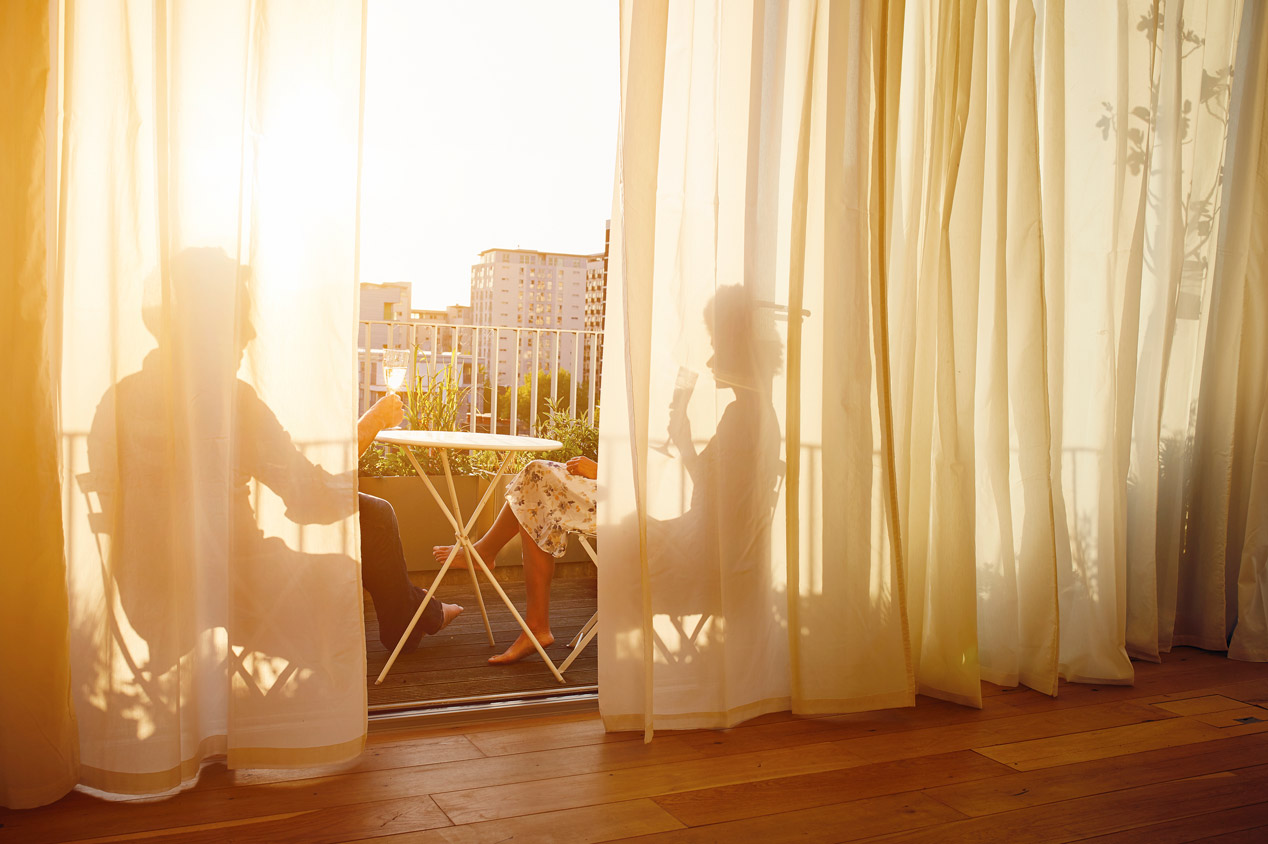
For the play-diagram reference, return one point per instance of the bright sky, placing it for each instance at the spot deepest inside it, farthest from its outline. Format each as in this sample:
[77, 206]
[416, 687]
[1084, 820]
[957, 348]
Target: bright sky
[487, 124]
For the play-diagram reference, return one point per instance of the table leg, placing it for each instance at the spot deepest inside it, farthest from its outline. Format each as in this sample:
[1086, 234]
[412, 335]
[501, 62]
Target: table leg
[510, 605]
[461, 530]
[462, 539]
[435, 584]
[418, 613]
[463, 536]
[484, 613]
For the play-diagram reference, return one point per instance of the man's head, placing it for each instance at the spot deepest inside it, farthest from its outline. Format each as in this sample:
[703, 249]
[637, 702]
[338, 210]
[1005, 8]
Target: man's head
[201, 305]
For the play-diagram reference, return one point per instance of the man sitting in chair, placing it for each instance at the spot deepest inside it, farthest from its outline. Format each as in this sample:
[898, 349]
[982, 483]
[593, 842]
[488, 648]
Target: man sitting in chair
[172, 460]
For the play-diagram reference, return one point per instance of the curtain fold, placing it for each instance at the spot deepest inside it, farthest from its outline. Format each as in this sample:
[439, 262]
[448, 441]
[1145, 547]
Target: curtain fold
[1184, 163]
[755, 576]
[208, 236]
[843, 560]
[1234, 484]
[39, 750]
[928, 339]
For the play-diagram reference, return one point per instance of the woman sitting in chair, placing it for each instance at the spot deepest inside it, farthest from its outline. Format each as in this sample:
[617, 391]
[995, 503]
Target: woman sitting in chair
[545, 502]
[734, 483]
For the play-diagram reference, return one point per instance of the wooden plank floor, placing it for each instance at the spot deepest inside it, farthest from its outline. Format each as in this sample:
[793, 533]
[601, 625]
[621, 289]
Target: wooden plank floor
[454, 662]
[1181, 756]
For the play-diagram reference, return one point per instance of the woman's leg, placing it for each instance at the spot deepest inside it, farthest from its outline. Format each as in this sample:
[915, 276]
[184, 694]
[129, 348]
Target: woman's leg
[539, 570]
[495, 538]
[384, 576]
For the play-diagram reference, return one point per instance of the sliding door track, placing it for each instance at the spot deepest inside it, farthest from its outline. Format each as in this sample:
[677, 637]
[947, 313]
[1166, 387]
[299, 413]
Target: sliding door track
[454, 711]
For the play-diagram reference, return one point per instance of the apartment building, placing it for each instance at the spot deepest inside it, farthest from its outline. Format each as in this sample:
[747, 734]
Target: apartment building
[541, 292]
[387, 302]
[596, 306]
[431, 330]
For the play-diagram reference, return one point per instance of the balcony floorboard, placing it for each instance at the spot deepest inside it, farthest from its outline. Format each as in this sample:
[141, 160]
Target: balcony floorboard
[454, 662]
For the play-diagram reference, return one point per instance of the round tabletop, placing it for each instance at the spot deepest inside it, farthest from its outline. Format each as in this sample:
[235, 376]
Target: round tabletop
[465, 440]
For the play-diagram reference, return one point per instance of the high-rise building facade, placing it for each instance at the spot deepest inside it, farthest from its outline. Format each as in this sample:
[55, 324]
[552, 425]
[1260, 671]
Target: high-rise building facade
[541, 292]
[596, 307]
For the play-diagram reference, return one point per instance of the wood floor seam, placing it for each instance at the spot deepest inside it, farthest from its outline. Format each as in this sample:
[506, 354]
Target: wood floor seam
[1180, 758]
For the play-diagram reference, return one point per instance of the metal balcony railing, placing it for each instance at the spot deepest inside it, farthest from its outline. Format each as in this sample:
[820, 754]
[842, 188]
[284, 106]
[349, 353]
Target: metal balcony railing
[492, 356]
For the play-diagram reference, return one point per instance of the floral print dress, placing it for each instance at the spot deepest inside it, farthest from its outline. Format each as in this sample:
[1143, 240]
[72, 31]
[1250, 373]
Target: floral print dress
[550, 504]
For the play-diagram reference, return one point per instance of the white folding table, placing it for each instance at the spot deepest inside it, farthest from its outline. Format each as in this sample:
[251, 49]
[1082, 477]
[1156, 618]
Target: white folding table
[444, 442]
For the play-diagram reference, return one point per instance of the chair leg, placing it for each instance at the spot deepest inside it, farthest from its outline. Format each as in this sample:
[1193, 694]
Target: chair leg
[586, 633]
[563, 666]
[584, 630]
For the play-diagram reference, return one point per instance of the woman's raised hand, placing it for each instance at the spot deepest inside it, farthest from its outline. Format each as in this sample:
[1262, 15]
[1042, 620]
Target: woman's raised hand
[583, 466]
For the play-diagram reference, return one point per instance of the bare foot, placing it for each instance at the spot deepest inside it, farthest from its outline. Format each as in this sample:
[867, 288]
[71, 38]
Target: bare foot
[441, 553]
[523, 647]
[451, 611]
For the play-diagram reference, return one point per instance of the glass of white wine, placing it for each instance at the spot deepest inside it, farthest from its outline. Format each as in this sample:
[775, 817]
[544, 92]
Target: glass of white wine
[684, 384]
[395, 368]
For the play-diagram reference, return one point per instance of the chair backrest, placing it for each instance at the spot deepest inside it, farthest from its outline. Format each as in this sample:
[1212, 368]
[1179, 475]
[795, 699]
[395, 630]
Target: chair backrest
[584, 539]
[98, 517]
[781, 469]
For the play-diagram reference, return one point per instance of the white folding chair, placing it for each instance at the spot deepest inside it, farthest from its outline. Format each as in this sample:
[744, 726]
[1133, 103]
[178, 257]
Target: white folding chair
[586, 633]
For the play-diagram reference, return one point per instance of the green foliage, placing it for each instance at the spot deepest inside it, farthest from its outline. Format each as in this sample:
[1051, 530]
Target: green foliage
[580, 437]
[384, 461]
[428, 407]
[524, 397]
[434, 407]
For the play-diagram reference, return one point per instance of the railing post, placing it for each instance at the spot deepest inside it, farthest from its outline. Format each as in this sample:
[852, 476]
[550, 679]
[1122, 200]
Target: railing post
[413, 366]
[473, 390]
[532, 391]
[431, 359]
[554, 369]
[582, 342]
[576, 371]
[594, 369]
[515, 387]
[494, 358]
[367, 369]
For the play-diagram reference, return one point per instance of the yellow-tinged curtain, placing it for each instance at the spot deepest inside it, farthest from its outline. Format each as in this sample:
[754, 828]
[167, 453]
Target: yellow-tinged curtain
[1234, 485]
[747, 456]
[207, 235]
[934, 368]
[39, 748]
[967, 311]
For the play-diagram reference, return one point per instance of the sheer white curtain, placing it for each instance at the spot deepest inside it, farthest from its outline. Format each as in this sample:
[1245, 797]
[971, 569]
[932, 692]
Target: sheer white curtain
[756, 521]
[208, 209]
[982, 239]
[1233, 423]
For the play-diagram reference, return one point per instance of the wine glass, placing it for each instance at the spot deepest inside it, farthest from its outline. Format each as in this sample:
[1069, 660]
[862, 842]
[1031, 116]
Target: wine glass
[395, 368]
[684, 384]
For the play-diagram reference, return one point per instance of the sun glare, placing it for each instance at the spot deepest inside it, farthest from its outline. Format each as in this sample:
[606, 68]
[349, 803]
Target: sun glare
[486, 125]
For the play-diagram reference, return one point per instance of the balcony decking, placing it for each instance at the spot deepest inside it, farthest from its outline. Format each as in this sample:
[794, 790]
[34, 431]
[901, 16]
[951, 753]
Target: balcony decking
[453, 663]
